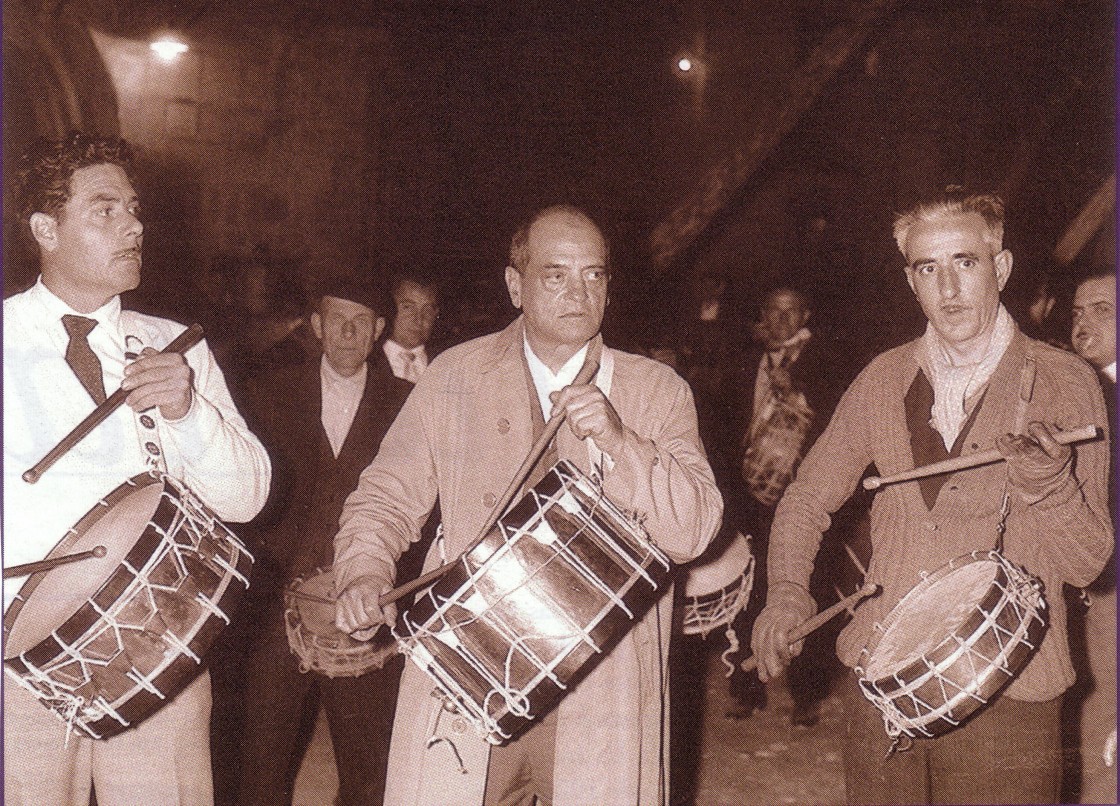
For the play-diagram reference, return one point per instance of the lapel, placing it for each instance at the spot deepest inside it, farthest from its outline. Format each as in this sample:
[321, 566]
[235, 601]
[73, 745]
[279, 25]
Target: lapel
[381, 399]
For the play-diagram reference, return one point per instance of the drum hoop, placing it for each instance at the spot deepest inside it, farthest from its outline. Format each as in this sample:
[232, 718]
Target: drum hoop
[1017, 589]
[697, 621]
[74, 709]
[1004, 571]
[92, 517]
[321, 655]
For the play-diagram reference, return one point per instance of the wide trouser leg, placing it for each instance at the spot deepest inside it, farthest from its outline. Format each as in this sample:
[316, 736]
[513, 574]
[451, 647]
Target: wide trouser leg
[40, 766]
[360, 714]
[276, 694]
[165, 760]
[1009, 752]
[522, 770]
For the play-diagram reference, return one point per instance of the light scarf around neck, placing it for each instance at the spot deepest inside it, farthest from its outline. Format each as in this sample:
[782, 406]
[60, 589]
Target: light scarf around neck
[957, 388]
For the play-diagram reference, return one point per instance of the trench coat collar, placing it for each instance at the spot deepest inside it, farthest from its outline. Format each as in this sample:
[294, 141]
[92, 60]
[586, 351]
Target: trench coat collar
[506, 349]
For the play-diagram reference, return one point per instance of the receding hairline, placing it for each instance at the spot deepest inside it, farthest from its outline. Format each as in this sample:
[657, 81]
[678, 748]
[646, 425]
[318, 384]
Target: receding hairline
[519, 244]
[987, 206]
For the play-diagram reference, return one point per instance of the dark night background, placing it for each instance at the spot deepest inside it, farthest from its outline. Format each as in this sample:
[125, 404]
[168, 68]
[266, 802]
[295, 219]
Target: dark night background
[313, 140]
[301, 140]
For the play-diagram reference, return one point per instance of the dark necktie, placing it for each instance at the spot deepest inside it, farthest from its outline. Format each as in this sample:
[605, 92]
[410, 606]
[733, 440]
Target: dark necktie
[80, 356]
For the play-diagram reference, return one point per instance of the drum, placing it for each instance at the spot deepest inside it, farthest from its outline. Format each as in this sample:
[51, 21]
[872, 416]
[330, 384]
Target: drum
[716, 590]
[530, 607]
[320, 646]
[951, 644]
[105, 642]
[776, 447]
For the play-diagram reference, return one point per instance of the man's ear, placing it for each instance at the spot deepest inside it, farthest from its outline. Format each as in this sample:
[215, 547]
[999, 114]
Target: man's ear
[1003, 267]
[317, 325]
[378, 327]
[44, 228]
[513, 285]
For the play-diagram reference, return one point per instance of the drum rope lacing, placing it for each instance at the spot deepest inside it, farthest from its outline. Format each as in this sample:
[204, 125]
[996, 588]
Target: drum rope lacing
[62, 684]
[581, 504]
[516, 702]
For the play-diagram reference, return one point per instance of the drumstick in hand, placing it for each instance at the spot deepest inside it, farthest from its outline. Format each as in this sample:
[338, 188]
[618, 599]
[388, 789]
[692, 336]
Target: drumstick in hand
[819, 620]
[1081, 434]
[51, 562]
[183, 342]
[590, 367]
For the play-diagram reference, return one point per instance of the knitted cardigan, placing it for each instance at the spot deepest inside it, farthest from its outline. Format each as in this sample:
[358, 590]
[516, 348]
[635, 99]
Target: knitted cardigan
[1065, 538]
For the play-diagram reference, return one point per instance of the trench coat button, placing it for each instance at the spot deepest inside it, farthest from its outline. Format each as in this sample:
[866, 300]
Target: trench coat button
[930, 525]
[503, 426]
[459, 726]
[489, 500]
[147, 421]
[151, 448]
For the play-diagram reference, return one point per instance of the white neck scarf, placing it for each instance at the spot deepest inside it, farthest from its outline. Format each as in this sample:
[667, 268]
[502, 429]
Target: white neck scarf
[956, 388]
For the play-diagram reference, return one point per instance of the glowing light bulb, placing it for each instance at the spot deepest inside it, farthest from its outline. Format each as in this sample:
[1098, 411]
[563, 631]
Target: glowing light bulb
[168, 48]
[684, 64]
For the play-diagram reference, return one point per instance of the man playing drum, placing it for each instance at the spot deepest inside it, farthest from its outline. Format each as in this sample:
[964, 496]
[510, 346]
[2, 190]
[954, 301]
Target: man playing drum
[460, 437]
[323, 422]
[67, 340]
[973, 381]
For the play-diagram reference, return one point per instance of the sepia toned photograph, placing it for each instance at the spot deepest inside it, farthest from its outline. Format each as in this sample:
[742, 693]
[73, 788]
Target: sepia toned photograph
[501, 403]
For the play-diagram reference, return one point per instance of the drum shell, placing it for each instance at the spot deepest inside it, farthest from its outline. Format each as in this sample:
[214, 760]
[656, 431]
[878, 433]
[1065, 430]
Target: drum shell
[141, 635]
[937, 691]
[547, 661]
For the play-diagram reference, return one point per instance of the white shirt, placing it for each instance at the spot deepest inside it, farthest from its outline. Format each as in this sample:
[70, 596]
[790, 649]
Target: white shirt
[210, 449]
[1110, 371]
[546, 382]
[341, 396]
[399, 361]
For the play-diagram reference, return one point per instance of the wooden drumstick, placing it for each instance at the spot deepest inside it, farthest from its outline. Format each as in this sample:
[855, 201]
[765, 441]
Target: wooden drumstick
[590, 367]
[311, 597]
[52, 562]
[183, 342]
[1081, 434]
[819, 620]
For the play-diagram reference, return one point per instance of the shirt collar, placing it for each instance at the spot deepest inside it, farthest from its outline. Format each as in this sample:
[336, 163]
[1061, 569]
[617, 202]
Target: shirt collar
[333, 380]
[108, 314]
[395, 350]
[543, 374]
[1110, 372]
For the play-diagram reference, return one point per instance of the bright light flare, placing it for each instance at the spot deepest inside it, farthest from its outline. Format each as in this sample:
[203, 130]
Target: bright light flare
[684, 64]
[168, 48]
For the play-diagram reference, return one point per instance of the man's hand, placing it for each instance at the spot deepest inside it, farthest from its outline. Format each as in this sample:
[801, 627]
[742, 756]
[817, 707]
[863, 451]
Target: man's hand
[159, 379]
[357, 612]
[590, 414]
[786, 608]
[1037, 464]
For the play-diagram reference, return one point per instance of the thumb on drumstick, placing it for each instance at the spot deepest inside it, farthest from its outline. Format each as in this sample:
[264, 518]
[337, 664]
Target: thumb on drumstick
[357, 610]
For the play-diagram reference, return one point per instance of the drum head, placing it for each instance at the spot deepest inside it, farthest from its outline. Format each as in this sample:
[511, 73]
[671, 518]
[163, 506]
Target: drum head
[51, 597]
[930, 612]
[316, 617]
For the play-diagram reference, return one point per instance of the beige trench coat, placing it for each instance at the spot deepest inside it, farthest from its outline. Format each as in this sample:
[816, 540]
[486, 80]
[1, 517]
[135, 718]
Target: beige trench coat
[461, 436]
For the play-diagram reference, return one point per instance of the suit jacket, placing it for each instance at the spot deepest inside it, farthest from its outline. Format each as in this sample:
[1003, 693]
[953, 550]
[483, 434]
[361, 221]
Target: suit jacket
[295, 532]
[473, 407]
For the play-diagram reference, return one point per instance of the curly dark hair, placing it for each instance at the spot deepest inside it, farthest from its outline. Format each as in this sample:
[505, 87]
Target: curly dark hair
[47, 165]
